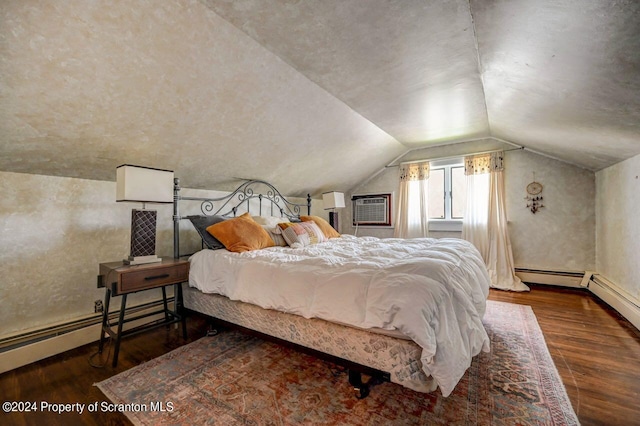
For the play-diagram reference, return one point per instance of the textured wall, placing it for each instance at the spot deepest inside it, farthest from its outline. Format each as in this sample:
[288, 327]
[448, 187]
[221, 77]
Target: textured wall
[618, 225]
[560, 236]
[54, 232]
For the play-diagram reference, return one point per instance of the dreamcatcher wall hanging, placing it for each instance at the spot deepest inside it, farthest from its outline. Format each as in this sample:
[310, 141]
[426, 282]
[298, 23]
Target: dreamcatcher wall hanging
[534, 195]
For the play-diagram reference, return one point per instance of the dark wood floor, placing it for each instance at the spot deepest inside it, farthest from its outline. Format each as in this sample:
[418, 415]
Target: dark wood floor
[596, 351]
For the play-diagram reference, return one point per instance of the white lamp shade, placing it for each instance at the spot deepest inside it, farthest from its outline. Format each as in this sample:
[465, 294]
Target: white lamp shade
[144, 184]
[333, 200]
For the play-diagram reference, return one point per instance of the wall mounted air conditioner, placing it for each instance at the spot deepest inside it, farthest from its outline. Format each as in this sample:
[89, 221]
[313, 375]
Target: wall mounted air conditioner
[371, 210]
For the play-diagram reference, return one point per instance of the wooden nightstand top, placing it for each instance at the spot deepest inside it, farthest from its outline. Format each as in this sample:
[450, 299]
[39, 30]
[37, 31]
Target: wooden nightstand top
[131, 278]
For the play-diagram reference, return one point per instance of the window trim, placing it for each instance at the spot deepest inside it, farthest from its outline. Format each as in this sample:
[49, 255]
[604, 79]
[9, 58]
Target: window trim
[454, 166]
[446, 224]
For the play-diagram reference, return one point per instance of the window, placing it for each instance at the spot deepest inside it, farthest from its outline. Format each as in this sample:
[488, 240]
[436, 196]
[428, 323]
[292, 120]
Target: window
[458, 192]
[447, 195]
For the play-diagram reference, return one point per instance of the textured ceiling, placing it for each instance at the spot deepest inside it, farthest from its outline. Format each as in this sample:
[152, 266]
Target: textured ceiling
[409, 66]
[310, 95]
[563, 76]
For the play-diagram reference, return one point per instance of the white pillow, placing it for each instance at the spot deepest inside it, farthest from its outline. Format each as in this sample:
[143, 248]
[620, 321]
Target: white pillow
[271, 221]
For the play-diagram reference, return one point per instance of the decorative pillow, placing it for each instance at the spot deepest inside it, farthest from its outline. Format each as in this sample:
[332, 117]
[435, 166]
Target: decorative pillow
[241, 234]
[324, 226]
[276, 235]
[301, 234]
[201, 223]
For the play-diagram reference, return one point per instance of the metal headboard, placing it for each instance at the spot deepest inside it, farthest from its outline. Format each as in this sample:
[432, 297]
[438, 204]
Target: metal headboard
[229, 204]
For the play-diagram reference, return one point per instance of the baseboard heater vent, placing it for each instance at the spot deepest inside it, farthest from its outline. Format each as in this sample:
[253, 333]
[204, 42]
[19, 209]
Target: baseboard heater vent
[38, 335]
[24, 348]
[577, 279]
[623, 302]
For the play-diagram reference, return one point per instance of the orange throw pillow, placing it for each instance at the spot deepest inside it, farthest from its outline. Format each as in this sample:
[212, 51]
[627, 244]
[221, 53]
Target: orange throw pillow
[240, 234]
[324, 226]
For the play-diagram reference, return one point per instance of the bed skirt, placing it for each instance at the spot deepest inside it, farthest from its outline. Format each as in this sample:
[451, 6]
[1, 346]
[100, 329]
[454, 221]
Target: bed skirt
[398, 357]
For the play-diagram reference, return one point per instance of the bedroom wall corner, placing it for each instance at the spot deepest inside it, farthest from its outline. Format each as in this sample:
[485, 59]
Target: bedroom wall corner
[561, 235]
[618, 227]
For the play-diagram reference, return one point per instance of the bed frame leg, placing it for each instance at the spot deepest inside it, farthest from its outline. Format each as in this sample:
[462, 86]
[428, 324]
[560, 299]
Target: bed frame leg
[361, 389]
[212, 331]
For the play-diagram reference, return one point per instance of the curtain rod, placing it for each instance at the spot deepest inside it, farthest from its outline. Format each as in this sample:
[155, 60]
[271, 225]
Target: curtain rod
[521, 148]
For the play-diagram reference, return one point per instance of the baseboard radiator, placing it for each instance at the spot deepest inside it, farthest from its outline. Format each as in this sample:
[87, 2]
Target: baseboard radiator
[623, 302]
[24, 348]
[576, 279]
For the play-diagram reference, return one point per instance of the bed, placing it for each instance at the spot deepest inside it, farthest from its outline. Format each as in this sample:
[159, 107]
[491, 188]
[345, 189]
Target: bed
[406, 311]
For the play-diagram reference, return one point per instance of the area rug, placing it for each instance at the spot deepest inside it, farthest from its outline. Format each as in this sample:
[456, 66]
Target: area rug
[233, 378]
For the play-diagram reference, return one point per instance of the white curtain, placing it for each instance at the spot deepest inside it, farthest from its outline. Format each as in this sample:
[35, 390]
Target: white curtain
[485, 219]
[413, 213]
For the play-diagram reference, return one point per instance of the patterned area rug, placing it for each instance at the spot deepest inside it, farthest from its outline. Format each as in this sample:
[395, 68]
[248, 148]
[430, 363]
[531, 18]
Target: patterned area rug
[233, 378]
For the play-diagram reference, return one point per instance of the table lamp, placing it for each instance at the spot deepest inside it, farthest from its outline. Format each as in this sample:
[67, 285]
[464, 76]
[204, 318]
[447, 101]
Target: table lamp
[331, 201]
[143, 185]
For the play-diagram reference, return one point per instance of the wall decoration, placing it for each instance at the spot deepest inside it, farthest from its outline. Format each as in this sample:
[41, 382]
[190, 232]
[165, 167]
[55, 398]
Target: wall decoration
[534, 195]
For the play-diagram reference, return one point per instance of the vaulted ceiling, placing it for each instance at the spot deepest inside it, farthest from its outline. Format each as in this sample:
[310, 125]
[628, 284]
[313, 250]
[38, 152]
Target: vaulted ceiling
[310, 95]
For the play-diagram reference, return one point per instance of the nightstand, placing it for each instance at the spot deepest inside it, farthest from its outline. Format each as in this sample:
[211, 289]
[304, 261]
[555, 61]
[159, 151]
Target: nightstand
[121, 280]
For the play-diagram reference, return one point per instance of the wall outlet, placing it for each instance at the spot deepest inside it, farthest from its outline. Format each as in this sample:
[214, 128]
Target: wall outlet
[98, 306]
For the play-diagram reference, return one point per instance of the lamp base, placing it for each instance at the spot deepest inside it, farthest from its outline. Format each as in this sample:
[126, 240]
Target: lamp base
[143, 234]
[333, 220]
[141, 260]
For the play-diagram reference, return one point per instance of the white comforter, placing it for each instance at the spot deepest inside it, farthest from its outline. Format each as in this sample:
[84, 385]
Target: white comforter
[432, 290]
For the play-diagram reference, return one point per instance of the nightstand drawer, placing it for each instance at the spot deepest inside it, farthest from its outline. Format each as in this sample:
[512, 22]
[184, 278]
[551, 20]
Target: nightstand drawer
[150, 278]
